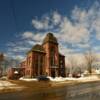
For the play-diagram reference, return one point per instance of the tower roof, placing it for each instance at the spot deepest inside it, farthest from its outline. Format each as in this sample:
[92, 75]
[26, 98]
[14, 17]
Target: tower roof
[37, 48]
[50, 38]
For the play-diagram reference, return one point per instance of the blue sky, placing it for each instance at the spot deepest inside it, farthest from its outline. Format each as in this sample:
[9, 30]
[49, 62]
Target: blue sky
[23, 23]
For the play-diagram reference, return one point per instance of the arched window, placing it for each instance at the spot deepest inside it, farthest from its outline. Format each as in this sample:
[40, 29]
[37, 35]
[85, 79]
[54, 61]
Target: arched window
[52, 56]
[39, 65]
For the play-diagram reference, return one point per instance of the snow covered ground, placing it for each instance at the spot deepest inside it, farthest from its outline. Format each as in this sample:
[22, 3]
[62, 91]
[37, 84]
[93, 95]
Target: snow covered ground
[28, 79]
[8, 85]
[5, 84]
[89, 78]
[61, 79]
[57, 79]
[83, 79]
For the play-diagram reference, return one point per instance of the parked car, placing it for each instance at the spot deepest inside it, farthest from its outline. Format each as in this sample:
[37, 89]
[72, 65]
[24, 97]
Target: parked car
[76, 75]
[43, 78]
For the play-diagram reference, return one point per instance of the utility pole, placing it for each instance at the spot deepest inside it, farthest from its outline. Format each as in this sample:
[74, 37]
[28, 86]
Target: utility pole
[1, 60]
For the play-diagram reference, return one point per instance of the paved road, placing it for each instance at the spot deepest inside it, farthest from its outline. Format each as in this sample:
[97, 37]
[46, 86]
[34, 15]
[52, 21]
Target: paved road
[87, 91]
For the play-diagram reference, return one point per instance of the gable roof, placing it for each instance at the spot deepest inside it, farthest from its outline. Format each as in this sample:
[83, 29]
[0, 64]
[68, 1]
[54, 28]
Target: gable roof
[37, 48]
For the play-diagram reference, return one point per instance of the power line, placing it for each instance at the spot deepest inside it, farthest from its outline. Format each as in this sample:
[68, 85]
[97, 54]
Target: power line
[12, 5]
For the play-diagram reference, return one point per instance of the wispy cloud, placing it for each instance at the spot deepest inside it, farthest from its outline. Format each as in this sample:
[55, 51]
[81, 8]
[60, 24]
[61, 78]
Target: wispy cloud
[76, 29]
[36, 37]
[41, 24]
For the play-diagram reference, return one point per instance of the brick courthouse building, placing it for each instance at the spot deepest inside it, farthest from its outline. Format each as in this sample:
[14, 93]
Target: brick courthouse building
[45, 59]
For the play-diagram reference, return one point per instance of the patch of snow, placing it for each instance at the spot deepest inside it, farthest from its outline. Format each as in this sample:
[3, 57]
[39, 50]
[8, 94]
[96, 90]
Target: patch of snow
[85, 72]
[61, 79]
[97, 71]
[16, 72]
[57, 79]
[89, 78]
[70, 75]
[6, 83]
[28, 79]
[85, 79]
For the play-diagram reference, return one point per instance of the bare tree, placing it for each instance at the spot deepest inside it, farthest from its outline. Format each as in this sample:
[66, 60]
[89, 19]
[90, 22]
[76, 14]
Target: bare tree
[90, 58]
[73, 64]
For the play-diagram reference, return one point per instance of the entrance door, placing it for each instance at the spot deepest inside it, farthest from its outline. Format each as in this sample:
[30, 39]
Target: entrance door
[53, 73]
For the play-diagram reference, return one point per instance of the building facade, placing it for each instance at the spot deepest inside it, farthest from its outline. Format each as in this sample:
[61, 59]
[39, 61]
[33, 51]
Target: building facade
[45, 59]
[15, 73]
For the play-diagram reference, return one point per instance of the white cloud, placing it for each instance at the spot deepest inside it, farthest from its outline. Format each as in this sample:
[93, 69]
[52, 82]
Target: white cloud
[27, 41]
[96, 48]
[27, 35]
[19, 57]
[30, 42]
[83, 45]
[68, 31]
[73, 33]
[90, 18]
[56, 18]
[78, 14]
[83, 23]
[33, 37]
[66, 52]
[19, 49]
[74, 30]
[47, 22]
[41, 24]
[12, 55]
[96, 26]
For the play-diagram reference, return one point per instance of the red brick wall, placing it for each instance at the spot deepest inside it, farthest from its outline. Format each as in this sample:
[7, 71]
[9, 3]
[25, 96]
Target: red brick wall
[12, 75]
[31, 66]
[31, 69]
[48, 46]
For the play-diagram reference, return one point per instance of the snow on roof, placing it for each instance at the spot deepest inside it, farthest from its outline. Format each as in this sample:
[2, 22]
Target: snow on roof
[15, 72]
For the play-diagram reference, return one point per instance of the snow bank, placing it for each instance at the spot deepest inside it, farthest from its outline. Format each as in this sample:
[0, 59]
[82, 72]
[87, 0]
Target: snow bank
[89, 78]
[8, 86]
[28, 79]
[97, 71]
[6, 83]
[57, 79]
[61, 79]
[35, 79]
